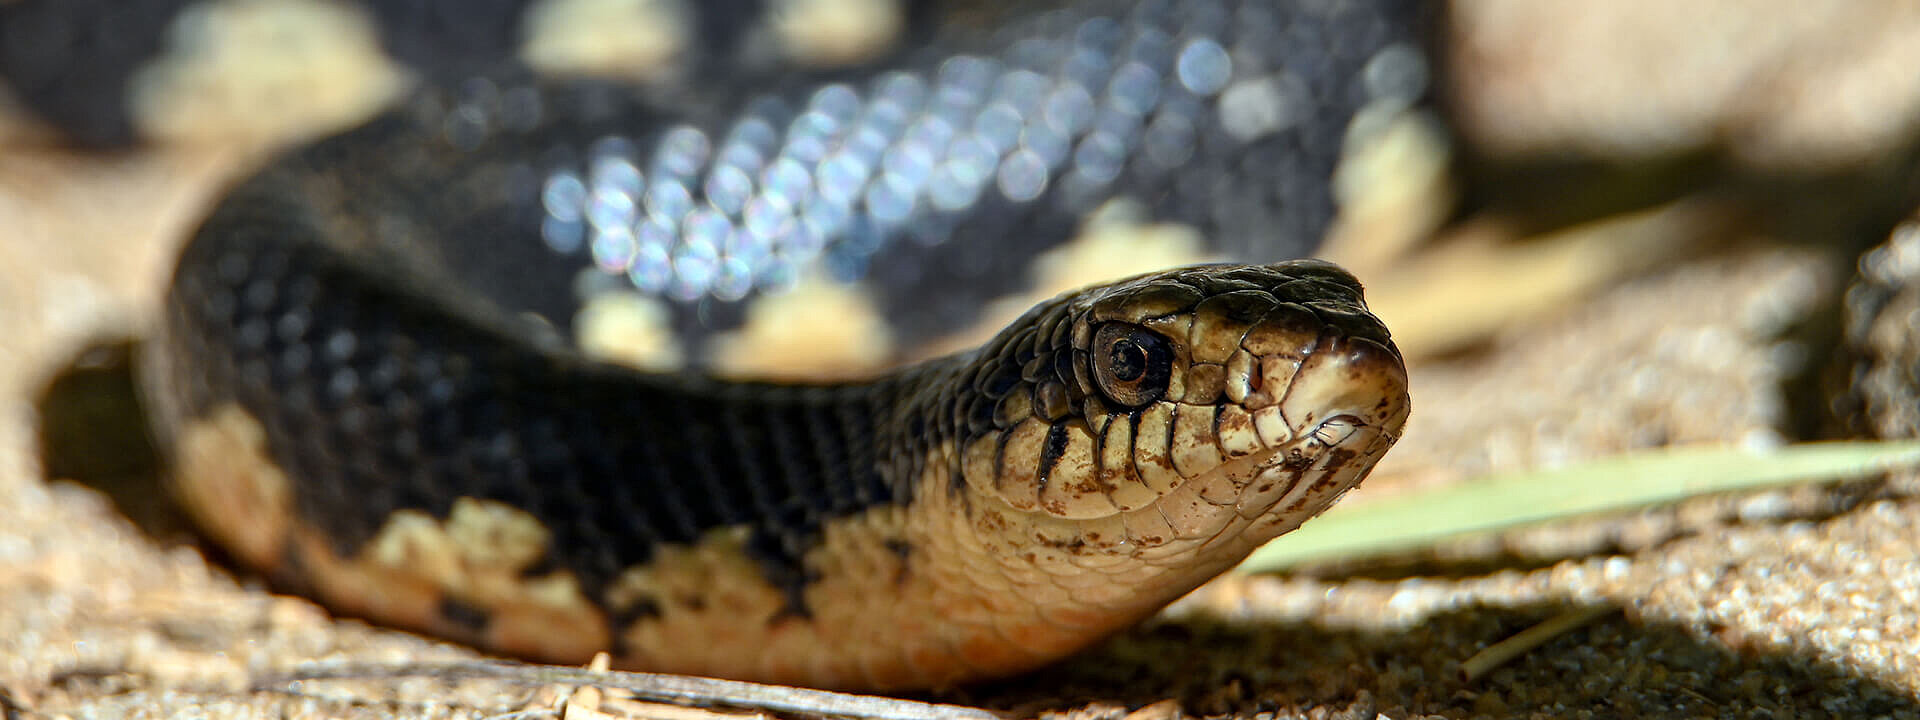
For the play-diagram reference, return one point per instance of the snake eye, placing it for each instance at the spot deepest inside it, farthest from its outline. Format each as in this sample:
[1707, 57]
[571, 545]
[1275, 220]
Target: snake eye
[1132, 364]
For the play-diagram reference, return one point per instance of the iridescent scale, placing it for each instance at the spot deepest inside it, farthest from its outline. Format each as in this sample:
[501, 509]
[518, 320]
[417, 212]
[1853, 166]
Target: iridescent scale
[833, 178]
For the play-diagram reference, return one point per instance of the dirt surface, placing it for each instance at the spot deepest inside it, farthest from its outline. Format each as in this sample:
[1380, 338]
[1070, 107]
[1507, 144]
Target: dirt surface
[1796, 603]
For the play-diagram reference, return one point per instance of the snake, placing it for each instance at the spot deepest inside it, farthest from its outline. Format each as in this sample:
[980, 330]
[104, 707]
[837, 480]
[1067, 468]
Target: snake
[361, 380]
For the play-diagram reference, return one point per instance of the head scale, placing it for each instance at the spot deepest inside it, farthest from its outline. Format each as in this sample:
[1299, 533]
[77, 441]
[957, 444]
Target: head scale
[1201, 394]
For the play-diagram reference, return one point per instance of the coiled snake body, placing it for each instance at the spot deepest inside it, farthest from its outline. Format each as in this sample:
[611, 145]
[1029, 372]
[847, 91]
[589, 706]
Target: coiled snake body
[356, 405]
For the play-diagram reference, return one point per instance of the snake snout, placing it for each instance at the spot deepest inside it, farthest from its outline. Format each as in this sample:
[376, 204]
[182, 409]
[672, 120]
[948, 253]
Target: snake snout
[1330, 416]
[1315, 394]
[1357, 380]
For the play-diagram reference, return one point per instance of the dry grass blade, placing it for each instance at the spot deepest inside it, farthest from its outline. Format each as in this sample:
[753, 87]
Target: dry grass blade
[1497, 654]
[680, 689]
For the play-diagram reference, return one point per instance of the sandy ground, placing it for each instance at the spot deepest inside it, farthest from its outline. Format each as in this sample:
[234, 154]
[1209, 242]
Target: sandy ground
[1787, 604]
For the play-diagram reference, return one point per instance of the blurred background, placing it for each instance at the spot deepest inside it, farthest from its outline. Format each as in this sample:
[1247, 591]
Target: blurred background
[1620, 226]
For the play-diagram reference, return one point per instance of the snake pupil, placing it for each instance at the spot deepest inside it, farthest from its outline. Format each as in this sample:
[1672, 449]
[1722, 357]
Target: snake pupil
[1129, 360]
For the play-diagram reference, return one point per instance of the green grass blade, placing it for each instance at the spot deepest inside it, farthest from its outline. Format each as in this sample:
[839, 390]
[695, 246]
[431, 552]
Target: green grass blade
[1418, 519]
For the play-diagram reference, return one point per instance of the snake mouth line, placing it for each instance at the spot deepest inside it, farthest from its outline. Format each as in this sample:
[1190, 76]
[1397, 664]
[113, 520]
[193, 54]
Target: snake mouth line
[1248, 500]
[1279, 489]
[1290, 463]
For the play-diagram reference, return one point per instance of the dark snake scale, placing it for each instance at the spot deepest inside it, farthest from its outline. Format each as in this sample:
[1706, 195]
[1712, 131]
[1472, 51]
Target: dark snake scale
[361, 380]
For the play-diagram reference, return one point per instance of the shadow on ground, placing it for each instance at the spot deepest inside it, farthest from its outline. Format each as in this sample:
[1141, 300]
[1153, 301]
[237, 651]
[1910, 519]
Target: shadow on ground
[1615, 668]
[92, 430]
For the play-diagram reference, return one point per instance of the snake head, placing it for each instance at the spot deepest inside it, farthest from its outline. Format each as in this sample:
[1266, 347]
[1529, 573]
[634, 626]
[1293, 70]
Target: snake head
[1184, 408]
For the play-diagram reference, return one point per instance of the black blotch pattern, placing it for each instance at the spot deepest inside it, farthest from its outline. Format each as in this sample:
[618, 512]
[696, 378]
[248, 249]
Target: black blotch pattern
[1051, 452]
[70, 60]
[899, 547]
[379, 399]
[467, 617]
[446, 38]
[1255, 199]
[720, 29]
[902, 550]
[643, 608]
